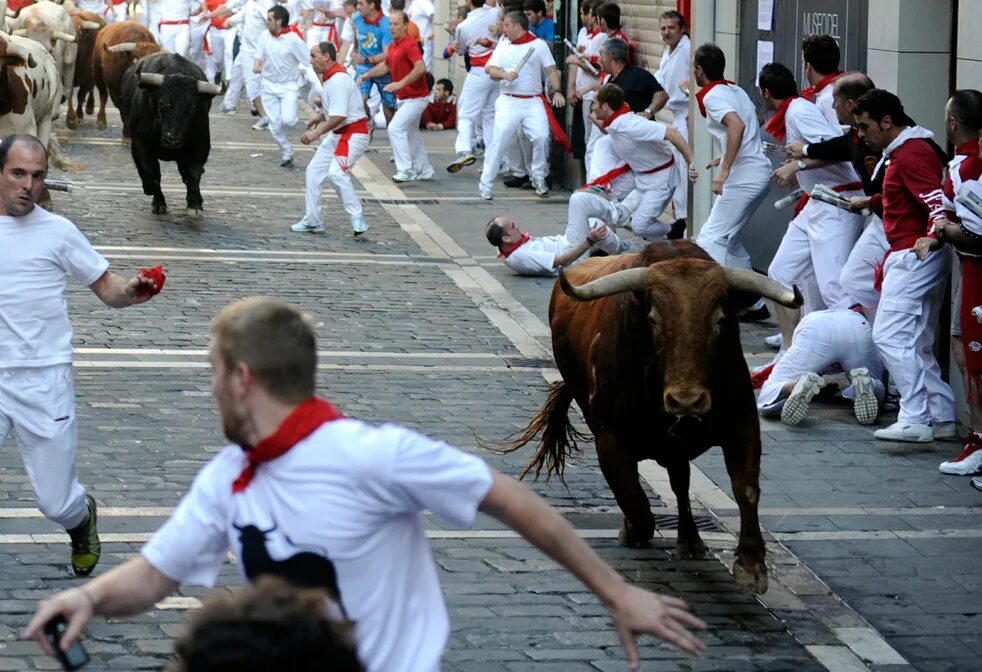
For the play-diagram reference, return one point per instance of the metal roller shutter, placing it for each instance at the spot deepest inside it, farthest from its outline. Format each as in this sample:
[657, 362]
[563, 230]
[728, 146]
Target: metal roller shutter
[640, 20]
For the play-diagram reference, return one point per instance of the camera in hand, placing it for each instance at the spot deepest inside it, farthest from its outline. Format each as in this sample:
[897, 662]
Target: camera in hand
[75, 657]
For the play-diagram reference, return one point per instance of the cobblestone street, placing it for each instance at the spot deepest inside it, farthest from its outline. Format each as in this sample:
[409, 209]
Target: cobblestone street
[873, 555]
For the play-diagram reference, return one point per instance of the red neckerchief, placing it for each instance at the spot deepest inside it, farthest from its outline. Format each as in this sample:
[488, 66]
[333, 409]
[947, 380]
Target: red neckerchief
[524, 39]
[775, 125]
[706, 89]
[335, 69]
[289, 29]
[618, 35]
[810, 92]
[301, 423]
[968, 148]
[370, 22]
[593, 32]
[621, 111]
[526, 237]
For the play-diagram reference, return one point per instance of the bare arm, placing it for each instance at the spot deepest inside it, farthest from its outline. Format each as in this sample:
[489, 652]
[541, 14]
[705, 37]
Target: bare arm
[632, 609]
[497, 74]
[658, 102]
[555, 83]
[734, 137]
[378, 71]
[117, 292]
[679, 143]
[131, 588]
[320, 126]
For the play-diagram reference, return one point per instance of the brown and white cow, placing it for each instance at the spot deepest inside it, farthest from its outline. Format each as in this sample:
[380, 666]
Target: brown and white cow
[87, 25]
[118, 46]
[50, 24]
[648, 346]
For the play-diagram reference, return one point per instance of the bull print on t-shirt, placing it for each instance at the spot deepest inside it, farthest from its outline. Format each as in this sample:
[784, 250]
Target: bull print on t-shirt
[307, 569]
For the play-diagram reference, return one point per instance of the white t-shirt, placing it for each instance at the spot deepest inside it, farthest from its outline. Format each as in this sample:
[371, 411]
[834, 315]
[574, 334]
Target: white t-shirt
[640, 142]
[475, 27]
[537, 256]
[824, 101]
[351, 494]
[175, 10]
[252, 18]
[674, 68]
[347, 32]
[39, 249]
[970, 222]
[421, 13]
[750, 164]
[591, 50]
[282, 56]
[529, 81]
[806, 123]
[340, 96]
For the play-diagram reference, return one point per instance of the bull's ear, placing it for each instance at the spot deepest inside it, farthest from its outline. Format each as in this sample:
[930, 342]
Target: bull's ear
[31, 63]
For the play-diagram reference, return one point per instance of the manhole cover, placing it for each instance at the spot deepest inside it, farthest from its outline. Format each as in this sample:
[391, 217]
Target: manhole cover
[530, 362]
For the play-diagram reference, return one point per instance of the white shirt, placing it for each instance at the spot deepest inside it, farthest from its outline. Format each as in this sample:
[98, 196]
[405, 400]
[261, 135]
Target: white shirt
[282, 56]
[970, 221]
[529, 81]
[175, 10]
[347, 32]
[674, 68]
[421, 13]
[750, 164]
[592, 48]
[252, 18]
[341, 97]
[640, 142]
[39, 249]
[806, 123]
[473, 28]
[824, 101]
[353, 494]
[538, 255]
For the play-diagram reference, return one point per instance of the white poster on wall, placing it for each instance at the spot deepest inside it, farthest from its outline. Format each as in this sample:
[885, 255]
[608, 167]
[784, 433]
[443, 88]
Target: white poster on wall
[765, 15]
[765, 55]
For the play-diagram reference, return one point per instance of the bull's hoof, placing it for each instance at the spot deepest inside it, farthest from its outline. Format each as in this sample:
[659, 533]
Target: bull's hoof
[159, 208]
[72, 122]
[125, 142]
[197, 213]
[691, 550]
[101, 124]
[750, 575]
[635, 536]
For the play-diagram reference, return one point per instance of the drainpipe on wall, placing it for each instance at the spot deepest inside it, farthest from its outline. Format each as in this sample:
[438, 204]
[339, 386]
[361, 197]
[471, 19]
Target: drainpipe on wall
[702, 27]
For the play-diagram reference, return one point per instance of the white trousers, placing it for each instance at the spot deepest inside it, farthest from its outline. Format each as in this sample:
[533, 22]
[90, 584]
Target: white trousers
[175, 38]
[215, 61]
[513, 115]
[475, 105]
[325, 166]
[280, 102]
[857, 274]
[408, 147]
[722, 234]
[904, 330]
[680, 197]
[39, 405]
[196, 42]
[590, 136]
[584, 206]
[822, 339]
[818, 241]
[656, 193]
[150, 17]
[242, 76]
[518, 155]
[604, 160]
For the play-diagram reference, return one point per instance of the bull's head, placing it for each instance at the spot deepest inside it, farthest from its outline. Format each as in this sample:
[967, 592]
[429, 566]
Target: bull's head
[10, 49]
[178, 99]
[690, 301]
[47, 37]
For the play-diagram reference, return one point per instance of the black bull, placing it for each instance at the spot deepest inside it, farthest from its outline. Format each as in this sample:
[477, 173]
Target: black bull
[166, 109]
[648, 346]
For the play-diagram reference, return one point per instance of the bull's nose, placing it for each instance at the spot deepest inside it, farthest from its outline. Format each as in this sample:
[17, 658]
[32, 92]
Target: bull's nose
[687, 402]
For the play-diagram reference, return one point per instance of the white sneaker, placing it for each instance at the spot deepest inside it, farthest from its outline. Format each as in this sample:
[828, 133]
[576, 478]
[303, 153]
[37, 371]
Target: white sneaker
[796, 406]
[227, 110]
[775, 341]
[909, 432]
[626, 208]
[303, 227]
[261, 125]
[463, 159]
[486, 195]
[425, 177]
[540, 188]
[864, 406]
[359, 225]
[968, 462]
[403, 176]
[944, 430]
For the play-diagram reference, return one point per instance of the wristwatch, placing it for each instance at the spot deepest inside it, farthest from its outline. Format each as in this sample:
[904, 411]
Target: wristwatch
[802, 165]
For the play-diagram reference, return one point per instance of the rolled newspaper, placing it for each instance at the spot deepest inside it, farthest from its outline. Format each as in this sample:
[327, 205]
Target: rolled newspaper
[971, 199]
[977, 313]
[346, 61]
[825, 194]
[789, 200]
[586, 65]
[774, 149]
[59, 185]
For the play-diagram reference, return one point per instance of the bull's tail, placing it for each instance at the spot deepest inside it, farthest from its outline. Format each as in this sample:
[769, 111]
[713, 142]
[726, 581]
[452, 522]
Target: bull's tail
[559, 436]
[58, 157]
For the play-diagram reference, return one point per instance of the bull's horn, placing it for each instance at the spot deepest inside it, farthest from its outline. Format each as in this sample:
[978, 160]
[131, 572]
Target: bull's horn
[16, 51]
[89, 25]
[20, 32]
[64, 37]
[151, 78]
[208, 88]
[628, 280]
[122, 46]
[745, 280]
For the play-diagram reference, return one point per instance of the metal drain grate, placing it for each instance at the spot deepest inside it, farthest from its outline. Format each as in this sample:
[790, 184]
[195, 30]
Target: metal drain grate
[530, 362]
[402, 201]
[665, 521]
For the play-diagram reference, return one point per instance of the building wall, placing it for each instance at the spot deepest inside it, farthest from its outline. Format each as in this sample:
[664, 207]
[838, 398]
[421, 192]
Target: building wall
[640, 20]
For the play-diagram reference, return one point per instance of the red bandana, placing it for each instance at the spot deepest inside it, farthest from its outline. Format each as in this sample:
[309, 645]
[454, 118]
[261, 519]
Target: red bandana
[593, 32]
[373, 22]
[775, 125]
[706, 89]
[507, 253]
[156, 274]
[301, 423]
[621, 111]
[333, 70]
[525, 39]
[970, 148]
[289, 29]
[809, 93]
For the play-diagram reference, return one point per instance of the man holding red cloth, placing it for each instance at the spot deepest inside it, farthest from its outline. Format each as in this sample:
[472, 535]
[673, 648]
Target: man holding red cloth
[300, 478]
[343, 122]
[910, 205]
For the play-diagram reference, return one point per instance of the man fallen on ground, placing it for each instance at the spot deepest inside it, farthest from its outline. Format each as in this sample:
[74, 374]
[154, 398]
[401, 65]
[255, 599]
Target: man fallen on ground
[339, 504]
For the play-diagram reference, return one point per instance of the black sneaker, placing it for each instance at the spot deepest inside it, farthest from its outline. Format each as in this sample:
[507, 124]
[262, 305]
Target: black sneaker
[86, 547]
[758, 315]
[678, 230]
[518, 182]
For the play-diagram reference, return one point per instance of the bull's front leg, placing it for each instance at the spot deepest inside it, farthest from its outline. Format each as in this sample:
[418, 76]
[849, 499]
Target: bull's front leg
[149, 168]
[620, 469]
[191, 173]
[689, 543]
[742, 454]
[71, 120]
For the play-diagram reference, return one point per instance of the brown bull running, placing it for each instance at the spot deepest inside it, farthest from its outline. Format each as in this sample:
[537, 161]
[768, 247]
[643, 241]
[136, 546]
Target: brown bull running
[648, 346]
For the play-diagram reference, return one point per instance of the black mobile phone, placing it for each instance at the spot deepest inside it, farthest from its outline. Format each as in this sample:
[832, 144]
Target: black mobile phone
[75, 658]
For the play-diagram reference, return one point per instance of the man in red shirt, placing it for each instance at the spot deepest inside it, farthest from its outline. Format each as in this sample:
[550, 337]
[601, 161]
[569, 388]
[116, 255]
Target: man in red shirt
[912, 288]
[441, 113]
[404, 62]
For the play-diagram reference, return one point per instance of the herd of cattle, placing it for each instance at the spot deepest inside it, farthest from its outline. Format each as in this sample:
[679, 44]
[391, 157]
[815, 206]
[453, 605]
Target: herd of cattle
[50, 49]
